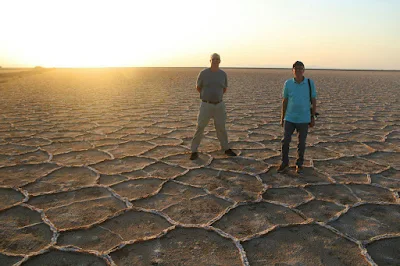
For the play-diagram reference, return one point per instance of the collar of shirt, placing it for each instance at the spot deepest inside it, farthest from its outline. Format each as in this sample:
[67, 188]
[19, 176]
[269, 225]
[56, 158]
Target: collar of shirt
[304, 79]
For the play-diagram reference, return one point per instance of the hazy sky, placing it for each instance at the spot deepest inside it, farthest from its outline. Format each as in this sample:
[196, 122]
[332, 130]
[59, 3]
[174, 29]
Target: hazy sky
[247, 33]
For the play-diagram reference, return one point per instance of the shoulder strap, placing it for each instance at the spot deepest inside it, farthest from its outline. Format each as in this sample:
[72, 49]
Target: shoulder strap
[309, 86]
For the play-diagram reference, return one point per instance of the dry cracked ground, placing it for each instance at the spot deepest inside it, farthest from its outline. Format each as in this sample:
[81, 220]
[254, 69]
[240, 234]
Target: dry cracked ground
[94, 170]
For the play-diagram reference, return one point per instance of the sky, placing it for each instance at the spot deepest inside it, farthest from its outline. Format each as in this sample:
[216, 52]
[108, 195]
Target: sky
[343, 34]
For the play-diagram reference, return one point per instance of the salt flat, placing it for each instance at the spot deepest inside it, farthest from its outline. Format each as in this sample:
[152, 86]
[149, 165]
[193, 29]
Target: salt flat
[94, 170]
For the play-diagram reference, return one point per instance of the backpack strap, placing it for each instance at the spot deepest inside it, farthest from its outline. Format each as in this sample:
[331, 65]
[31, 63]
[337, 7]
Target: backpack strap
[309, 86]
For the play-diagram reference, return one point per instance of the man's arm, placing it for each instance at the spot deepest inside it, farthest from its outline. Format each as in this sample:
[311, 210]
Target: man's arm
[226, 83]
[314, 106]
[313, 111]
[199, 81]
[284, 106]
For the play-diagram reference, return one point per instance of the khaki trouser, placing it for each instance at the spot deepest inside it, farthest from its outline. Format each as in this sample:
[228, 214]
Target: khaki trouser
[218, 113]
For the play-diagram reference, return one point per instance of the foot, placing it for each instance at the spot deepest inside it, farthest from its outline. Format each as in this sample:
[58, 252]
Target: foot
[230, 152]
[282, 167]
[299, 169]
[194, 156]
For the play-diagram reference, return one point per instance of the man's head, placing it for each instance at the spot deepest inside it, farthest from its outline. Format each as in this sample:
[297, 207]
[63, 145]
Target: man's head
[215, 59]
[298, 70]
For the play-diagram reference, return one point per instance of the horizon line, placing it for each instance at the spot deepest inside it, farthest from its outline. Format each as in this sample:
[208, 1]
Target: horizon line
[226, 67]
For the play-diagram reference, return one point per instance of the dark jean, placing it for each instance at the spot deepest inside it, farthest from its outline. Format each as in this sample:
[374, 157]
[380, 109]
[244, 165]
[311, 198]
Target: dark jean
[302, 131]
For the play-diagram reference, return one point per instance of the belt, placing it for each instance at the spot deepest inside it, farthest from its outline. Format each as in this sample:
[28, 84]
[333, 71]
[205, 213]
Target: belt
[211, 102]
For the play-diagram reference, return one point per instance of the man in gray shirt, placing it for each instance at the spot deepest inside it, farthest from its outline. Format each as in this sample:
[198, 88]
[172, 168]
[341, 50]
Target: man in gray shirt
[212, 83]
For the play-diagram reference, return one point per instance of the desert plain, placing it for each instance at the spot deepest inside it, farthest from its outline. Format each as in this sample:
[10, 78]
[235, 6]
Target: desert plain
[95, 170]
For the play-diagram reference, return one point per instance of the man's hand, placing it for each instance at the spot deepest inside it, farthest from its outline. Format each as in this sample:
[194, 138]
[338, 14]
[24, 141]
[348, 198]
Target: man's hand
[312, 123]
[282, 122]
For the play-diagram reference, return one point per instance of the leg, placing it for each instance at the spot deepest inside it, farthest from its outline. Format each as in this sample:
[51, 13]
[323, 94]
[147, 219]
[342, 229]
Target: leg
[202, 121]
[219, 122]
[289, 128]
[302, 131]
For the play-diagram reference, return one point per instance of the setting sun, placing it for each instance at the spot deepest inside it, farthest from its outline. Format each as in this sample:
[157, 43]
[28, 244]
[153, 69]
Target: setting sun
[84, 34]
[183, 33]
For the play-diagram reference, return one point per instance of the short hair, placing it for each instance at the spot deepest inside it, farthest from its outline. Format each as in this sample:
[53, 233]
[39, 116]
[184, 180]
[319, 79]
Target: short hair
[298, 63]
[215, 55]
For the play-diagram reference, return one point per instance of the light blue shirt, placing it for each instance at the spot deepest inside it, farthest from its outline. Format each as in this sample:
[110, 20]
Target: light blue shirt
[298, 95]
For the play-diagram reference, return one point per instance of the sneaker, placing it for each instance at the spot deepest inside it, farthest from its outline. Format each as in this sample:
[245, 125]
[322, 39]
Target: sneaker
[299, 169]
[230, 152]
[194, 156]
[282, 167]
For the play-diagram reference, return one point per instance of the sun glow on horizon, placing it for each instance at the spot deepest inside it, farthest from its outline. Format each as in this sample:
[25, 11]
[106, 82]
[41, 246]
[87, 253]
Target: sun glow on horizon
[252, 33]
[98, 34]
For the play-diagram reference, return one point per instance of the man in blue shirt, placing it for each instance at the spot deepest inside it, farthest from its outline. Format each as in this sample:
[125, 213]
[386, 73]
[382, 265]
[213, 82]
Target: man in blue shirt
[296, 114]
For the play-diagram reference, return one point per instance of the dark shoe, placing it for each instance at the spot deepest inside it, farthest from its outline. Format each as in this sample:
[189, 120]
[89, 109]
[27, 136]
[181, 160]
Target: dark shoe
[230, 152]
[299, 169]
[194, 155]
[282, 167]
